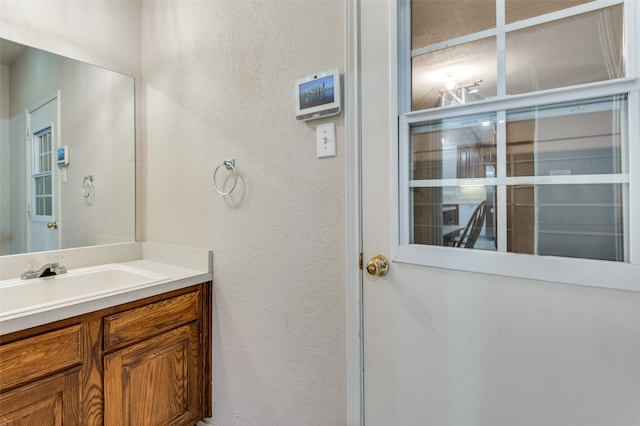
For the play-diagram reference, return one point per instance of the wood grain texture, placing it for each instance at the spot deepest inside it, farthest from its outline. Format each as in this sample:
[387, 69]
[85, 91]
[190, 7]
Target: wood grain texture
[59, 373]
[92, 397]
[29, 359]
[141, 323]
[207, 349]
[52, 401]
[155, 382]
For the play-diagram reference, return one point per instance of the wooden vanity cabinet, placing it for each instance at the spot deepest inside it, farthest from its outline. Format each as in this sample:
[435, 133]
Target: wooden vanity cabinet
[146, 362]
[43, 372]
[151, 368]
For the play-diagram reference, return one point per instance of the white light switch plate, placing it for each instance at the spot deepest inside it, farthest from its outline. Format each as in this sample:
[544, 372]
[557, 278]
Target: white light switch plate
[326, 139]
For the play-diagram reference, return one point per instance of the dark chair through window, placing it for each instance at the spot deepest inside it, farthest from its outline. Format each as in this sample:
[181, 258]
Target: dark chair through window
[473, 228]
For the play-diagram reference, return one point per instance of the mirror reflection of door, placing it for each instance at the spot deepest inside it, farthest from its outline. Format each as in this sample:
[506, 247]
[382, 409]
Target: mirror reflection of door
[43, 209]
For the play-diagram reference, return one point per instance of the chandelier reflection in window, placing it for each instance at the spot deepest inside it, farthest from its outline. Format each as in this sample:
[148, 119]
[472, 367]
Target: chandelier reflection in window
[455, 93]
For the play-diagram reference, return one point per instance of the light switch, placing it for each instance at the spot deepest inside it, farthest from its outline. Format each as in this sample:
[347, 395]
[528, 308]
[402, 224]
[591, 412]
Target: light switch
[326, 139]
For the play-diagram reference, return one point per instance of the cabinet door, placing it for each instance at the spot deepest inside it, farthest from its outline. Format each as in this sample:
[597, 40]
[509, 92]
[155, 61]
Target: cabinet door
[52, 401]
[155, 382]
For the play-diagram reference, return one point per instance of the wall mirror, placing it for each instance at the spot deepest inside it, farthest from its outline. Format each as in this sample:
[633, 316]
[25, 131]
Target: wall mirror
[67, 152]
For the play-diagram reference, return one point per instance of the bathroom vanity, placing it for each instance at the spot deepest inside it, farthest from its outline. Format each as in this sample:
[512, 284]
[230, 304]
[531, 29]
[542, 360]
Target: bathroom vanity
[138, 353]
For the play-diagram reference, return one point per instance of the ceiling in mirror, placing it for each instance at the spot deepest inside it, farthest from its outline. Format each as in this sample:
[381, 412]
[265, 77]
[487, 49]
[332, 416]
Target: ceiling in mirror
[67, 152]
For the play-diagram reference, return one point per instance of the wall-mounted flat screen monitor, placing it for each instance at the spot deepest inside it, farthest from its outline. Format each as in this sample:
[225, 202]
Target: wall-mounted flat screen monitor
[318, 95]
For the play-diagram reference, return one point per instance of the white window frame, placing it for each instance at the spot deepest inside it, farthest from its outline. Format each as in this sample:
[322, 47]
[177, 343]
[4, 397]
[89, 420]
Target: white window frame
[38, 173]
[598, 273]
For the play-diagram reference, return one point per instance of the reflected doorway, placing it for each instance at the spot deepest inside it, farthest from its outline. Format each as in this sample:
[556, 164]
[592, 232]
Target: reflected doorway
[43, 201]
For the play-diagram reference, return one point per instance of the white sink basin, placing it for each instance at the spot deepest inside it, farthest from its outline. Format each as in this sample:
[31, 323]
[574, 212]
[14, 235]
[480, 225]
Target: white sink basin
[19, 296]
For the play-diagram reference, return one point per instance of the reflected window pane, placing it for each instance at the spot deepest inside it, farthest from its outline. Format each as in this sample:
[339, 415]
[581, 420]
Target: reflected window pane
[47, 206]
[456, 216]
[434, 21]
[584, 221]
[457, 75]
[39, 206]
[39, 185]
[568, 139]
[517, 10]
[577, 50]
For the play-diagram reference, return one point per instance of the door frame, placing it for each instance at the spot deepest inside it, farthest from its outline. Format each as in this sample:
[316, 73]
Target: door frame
[353, 163]
[353, 150]
[353, 174]
[56, 186]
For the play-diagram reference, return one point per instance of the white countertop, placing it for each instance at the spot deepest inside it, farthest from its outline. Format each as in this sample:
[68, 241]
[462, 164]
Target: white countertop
[28, 304]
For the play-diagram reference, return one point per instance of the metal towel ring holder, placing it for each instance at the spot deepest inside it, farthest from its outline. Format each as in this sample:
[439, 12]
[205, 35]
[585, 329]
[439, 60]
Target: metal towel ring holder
[87, 186]
[229, 165]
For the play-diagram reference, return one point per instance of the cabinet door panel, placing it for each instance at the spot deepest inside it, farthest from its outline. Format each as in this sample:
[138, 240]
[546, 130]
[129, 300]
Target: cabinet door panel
[53, 401]
[39, 356]
[138, 324]
[155, 382]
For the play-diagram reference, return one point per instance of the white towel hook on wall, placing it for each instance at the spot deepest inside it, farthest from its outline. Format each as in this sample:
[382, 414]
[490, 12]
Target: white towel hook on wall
[229, 165]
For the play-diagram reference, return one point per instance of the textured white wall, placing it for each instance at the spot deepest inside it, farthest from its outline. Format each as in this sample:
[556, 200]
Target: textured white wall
[218, 83]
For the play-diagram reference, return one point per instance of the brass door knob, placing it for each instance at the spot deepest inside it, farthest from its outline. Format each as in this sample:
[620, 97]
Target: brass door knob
[378, 266]
[53, 225]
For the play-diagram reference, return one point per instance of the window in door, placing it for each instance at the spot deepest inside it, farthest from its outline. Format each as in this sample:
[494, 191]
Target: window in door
[514, 133]
[42, 173]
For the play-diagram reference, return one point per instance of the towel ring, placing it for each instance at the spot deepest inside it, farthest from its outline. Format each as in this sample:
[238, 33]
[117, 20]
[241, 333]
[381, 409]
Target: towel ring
[229, 165]
[87, 186]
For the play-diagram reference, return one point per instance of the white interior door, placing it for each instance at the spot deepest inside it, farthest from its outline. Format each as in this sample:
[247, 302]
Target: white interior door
[43, 209]
[444, 347]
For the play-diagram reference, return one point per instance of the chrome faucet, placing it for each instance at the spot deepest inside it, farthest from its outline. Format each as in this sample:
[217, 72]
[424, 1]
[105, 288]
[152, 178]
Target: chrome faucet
[46, 270]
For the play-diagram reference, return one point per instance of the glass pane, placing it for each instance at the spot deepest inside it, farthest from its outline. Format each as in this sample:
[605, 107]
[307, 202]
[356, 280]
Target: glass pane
[459, 148]
[47, 184]
[46, 163]
[434, 21]
[39, 184]
[456, 148]
[456, 216]
[584, 221]
[456, 75]
[43, 185]
[39, 206]
[43, 153]
[577, 50]
[47, 206]
[517, 10]
[581, 138]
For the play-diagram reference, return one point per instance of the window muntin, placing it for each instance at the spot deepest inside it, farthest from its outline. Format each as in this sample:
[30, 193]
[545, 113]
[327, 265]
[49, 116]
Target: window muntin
[517, 10]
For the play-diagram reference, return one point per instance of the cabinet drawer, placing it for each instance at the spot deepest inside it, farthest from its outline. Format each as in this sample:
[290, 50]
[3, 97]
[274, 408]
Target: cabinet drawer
[141, 323]
[39, 356]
